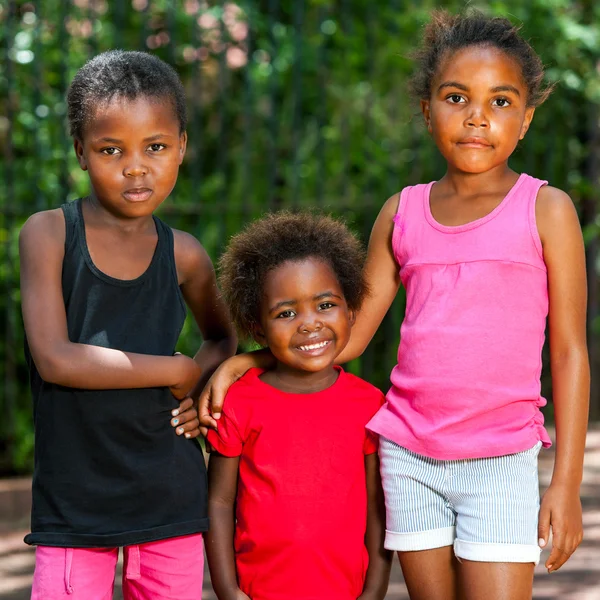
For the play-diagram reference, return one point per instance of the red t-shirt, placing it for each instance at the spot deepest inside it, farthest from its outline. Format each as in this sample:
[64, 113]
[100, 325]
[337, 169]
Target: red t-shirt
[301, 505]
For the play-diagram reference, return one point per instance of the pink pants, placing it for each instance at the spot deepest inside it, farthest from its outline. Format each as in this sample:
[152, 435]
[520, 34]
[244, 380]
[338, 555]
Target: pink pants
[165, 570]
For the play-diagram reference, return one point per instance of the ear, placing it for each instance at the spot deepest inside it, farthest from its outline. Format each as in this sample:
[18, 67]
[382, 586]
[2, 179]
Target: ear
[352, 317]
[258, 334]
[78, 146]
[182, 145]
[426, 110]
[526, 121]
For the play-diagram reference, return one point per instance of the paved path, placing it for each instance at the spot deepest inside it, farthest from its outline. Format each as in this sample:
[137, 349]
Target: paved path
[579, 579]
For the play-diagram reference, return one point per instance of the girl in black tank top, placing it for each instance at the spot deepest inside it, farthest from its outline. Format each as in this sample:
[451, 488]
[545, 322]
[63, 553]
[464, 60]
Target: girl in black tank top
[105, 286]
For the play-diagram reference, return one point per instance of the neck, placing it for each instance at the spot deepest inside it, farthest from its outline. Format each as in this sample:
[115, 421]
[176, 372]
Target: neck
[300, 382]
[474, 184]
[95, 213]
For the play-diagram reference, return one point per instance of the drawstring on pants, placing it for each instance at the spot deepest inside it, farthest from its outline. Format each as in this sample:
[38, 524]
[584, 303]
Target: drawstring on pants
[68, 566]
[133, 563]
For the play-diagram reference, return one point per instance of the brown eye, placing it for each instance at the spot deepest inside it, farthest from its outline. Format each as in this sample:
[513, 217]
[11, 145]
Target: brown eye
[110, 151]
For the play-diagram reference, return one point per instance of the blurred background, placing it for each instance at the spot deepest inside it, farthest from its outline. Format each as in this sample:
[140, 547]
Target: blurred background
[292, 103]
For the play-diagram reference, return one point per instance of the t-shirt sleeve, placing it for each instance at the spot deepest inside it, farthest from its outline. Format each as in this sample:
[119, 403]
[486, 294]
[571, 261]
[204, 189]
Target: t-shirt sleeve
[371, 444]
[229, 437]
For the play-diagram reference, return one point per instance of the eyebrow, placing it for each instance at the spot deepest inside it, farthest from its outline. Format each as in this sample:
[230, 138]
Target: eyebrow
[321, 296]
[152, 138]
[494, 90]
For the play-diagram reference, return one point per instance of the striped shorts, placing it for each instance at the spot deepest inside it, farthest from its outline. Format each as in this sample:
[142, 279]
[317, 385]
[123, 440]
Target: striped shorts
[486, 507]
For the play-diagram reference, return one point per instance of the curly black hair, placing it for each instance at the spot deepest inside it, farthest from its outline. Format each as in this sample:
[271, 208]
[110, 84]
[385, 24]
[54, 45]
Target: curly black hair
[122, 74]
[278, 238]
[446, 33]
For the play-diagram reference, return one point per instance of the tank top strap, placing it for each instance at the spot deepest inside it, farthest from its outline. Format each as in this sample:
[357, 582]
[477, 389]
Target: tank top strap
[531, 188]
[166, 248]
[410, 215]
[72, 217]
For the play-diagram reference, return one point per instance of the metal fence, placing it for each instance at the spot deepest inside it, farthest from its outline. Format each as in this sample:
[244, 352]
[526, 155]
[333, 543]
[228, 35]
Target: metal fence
[291, 104]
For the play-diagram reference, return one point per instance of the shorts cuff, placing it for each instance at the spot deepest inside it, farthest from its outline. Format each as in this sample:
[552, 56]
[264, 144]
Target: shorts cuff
[485, 552]
[419, 540]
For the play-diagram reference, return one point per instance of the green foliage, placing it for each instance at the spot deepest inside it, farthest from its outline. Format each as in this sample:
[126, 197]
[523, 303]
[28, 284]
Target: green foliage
[291, 104]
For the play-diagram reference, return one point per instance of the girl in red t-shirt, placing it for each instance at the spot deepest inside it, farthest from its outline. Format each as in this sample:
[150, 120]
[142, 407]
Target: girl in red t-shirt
[296, 507]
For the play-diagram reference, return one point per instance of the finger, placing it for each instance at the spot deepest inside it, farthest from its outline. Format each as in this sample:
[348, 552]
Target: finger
[183, 417]
[204, 412]
[560, 559]
[543, 527]
[184, 404]
[558, 550]
[203, 431]
[208, 446]
[571, 544]
[191, 435]
[190, 426]
[217, 397]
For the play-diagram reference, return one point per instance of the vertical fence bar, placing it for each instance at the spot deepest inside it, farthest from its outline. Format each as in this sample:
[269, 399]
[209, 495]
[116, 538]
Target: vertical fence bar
[62, 86]
[40, 203]
[144, 29]
[93, 39]
[171, 29]
[273, 127]
[196, 117]
[297, 98]
[322, 105]
[368, 362]
[247, 117]
[222, 135]
[346, 26]
[9, 379]
[119, 8]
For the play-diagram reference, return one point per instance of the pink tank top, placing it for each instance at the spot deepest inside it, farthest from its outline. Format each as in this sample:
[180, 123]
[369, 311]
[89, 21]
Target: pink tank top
[467, 382]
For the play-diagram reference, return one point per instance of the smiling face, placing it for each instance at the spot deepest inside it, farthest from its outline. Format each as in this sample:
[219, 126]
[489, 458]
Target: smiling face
[477, 111]
[132, 150]
[304, 318]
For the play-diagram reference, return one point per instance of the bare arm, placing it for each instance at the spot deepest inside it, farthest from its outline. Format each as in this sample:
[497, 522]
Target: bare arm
[222, 489]
[199, 287]
[564, 256]
[380, 560]
[60, 361]
[382, 276]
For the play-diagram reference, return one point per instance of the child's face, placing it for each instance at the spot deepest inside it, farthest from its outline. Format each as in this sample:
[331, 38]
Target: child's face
[132, 150]
[304, 317]
[477, 112]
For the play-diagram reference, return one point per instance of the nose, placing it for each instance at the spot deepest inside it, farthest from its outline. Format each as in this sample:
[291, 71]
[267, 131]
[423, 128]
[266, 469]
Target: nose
[311, 324]
[135, 167]
[477, 118]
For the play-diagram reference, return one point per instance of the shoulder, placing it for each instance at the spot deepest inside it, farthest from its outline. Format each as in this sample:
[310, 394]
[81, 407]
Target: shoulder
[43, 229]
[191, 258]
[246, 390]
[553, 211]
[551, 199]
[362, 390]
[243, 397]
[390, 207]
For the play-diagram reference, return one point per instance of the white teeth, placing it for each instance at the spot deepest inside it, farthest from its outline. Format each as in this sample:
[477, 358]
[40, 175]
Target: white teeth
[314, 346]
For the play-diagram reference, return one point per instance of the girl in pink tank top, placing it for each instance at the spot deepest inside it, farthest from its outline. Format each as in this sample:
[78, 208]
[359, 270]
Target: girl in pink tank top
[487, 257]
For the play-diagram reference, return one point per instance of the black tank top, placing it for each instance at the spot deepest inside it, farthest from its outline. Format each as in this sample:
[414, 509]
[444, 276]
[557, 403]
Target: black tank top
[109, 468]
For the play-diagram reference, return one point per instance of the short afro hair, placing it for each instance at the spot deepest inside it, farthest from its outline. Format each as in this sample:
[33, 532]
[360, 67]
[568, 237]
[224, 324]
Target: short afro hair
[283, 237]
[448, 33]
[122, 74]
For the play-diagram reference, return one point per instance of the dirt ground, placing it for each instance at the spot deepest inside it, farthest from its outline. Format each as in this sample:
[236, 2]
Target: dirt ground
[579, 579]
